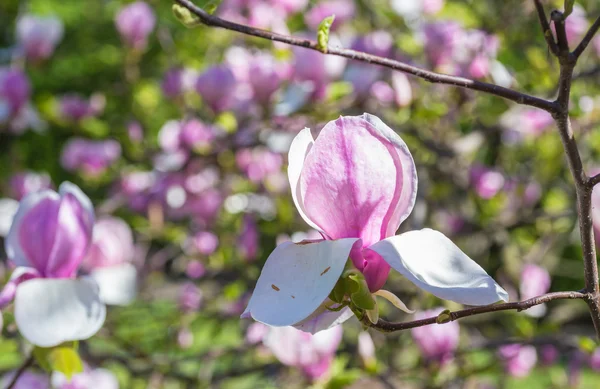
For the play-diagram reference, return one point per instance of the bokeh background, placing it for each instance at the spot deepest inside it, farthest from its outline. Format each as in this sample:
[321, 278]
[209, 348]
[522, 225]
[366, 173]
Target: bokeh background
[180, 137]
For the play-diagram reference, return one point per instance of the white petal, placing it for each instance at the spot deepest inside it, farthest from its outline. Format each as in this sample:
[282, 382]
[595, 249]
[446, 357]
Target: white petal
[299, 148]
[11, 244]
[8, 209]
[324, 320]
[117, 283]
[395, 300]
[52, 311]
[296, 280]
[432, 262]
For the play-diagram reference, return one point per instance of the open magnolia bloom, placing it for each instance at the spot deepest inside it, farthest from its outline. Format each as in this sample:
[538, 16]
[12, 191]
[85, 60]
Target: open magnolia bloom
[47, 241]
[355, 184]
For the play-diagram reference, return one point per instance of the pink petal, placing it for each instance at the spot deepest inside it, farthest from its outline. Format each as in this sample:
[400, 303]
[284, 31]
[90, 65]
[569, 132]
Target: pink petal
[358, 180]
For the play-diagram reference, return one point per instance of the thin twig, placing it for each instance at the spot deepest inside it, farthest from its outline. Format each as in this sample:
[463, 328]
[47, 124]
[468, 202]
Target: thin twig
[433, 77]
[587, 38]
[546, 27]
[26, 364]
[385, 326]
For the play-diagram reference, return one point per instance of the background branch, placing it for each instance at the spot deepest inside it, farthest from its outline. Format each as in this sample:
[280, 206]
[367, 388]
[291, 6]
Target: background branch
[546, 27]
[427, 75]
[26, 364]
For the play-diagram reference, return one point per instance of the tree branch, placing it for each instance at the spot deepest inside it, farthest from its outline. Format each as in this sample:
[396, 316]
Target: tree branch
[587, 38]
[595, 180]
[437, 78]
[546, 27]
[26, 364]
[385, 326]
[561, 33]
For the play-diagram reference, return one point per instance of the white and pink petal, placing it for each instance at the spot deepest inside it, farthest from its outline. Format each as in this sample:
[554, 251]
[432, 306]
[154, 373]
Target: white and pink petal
[432, 262]
[296, 279]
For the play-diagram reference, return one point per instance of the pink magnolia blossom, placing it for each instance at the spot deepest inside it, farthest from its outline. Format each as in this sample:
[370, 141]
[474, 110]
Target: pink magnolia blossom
[14, 89]
[355, 184]
[595, 359]
[172, 83]
[135, 22]
[47, 267]
[195, 269]
[21, 184]
[190, 297]
[575, 26]
[248, 238]
[436, 342]
[258, 163]
[256, 332]
[549, 354]
[366, 349]
[39, 36]
[90, 156]
[88, 379]
[109, 261]
[216, 85]
[342, 9]
[313, 354]
[74, 108]
[518, 359]
[535, 281]
[26, 380]
[205, 242]
[486, 182]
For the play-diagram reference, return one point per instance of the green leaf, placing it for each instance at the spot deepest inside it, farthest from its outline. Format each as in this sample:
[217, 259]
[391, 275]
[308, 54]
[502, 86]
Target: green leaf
[339, 292]
[443, 317]
[185, 16]
[568, 8]
[323, 33]
[63, 358]
[362, 297]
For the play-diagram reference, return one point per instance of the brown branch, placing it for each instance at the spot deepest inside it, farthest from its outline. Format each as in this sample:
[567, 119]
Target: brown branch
[583, 189]
[385, 326]
[561, 33]
[26, 364]
[427, 75]
[593, 181]
[587, 38]
[546, 27]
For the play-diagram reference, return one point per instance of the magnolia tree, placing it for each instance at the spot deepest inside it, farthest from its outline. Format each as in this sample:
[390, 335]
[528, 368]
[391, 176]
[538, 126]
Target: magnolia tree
[193, 195]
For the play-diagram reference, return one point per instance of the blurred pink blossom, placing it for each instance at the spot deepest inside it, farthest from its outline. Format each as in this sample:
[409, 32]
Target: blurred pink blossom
[90, 156]
[39, 36]
[135, 22]
[256, 332]
[23, 183]
[14, 89]
[248, 239]
[88, 379]
[73, 107]
[549, 354]
[27, 380]
[313, 354]
[257, 163]
[195, 269]
[486, 182]
[518, 359]
[436, 342]
[205, 242]
[190, 297]
[342, 9]
[595, 359]
[216, 85]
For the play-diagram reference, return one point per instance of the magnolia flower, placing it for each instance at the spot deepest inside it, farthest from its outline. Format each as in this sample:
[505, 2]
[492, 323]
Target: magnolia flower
[595, 359]
[26, 380]
[311, 353]
[366, 350]
[535, 281]
[89, 379]
[247, 241]
[14, 89]
[518, 359]
[436, 342]
[355, 184]
[38, 36]
[21, 184]
[109, 261]
[216, 85]
[90, 156]
[135, 22]
[48, 240]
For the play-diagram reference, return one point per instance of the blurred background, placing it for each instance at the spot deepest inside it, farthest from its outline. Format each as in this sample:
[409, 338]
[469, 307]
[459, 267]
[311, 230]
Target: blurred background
[180, 138]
